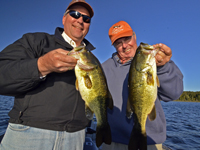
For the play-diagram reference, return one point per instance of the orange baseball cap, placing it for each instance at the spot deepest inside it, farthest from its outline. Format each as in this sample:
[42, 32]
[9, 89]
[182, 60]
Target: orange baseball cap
[118, 30]
[84, 4]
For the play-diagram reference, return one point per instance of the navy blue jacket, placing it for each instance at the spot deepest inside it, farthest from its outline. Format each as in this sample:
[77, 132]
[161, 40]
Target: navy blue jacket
[171, 87]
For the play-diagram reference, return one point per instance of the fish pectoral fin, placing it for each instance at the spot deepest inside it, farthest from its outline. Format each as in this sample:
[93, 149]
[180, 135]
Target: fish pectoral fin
[88, 82]
[158, 82]
[76, 84]
[88, 112]
[152, 115]
[129, 111]
[150, 80]
[109, 101]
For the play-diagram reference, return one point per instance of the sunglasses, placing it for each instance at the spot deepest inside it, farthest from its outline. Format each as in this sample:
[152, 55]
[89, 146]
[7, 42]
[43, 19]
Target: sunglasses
[76, 15]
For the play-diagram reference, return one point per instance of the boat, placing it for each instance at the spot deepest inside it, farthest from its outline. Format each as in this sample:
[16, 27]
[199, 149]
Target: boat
[90, 143]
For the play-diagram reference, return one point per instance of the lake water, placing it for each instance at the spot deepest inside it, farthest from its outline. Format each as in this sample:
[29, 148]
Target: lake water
[183, 123]
[6, 104]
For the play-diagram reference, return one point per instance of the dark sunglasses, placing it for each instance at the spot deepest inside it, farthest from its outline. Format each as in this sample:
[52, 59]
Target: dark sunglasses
[76, 15]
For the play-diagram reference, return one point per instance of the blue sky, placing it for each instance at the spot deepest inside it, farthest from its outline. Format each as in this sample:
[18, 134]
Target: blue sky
[175, 23]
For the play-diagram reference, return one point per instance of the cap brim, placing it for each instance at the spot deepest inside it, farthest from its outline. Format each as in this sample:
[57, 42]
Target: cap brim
[84, 4]
[127, 33]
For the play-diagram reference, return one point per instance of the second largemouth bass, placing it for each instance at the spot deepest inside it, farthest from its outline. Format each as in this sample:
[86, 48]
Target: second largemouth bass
[143, 82]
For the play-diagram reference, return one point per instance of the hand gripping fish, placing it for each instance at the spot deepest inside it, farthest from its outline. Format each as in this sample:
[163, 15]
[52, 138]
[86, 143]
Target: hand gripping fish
[92, 85]
[143, 82]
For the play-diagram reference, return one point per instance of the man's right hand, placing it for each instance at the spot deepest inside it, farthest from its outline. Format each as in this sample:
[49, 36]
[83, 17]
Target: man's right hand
[56, 61]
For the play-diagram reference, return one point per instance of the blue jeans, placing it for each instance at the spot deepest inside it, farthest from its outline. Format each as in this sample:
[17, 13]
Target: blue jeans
[20, 137]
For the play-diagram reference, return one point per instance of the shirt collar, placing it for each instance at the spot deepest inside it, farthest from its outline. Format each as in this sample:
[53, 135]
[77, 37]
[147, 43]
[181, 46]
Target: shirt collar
[69, 40]
[116, 57]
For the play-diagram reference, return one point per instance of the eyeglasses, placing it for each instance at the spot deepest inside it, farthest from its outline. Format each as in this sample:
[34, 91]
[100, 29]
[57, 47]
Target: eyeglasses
[76, 15]
[124, 40]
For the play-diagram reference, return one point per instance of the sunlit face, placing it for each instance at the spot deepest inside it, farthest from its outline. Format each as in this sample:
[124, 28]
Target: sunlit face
[76, 29]
[126, 47]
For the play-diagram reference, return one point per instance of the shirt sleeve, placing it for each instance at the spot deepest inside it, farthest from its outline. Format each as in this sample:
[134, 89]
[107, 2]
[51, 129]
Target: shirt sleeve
[171, 82]
[18, 67]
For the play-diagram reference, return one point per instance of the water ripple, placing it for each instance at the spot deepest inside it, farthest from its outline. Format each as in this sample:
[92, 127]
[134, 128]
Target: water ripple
[183, 125]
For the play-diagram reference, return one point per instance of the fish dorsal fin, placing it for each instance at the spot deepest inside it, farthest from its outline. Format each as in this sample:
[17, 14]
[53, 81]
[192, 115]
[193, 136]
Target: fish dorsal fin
[88, 82]
[76, 84]
[158, 82]
[152, 115]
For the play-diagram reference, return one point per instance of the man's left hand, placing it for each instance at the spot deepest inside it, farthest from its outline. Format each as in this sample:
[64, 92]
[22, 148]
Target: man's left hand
[163, 55]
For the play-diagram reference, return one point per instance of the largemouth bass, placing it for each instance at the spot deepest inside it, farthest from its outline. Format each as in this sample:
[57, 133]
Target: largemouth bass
[92, 85]
[143, 82]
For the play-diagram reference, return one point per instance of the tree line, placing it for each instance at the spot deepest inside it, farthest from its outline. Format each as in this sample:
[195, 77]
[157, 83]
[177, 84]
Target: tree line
[190, 96]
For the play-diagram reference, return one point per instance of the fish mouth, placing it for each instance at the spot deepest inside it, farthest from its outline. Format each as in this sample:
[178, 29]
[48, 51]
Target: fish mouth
[79, 49]
[85, 67]
[152, 52]
[76, 51]
[150, 49]
[74, 54]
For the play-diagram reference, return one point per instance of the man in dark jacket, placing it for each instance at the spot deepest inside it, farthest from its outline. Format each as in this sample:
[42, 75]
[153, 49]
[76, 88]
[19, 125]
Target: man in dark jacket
[48, 112]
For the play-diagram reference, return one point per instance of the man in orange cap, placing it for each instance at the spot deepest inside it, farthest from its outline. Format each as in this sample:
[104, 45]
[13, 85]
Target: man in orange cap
[48, 112]
[116, 69]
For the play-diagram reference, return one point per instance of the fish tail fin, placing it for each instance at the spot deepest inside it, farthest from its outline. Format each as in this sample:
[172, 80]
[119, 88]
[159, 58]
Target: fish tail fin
[138, 141]
[103, 134]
